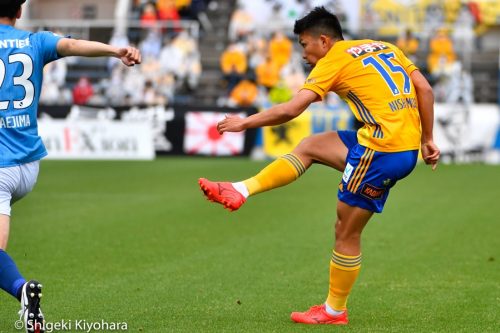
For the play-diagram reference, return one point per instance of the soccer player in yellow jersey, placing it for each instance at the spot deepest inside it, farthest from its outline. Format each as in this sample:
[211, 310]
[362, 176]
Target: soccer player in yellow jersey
[387, 93]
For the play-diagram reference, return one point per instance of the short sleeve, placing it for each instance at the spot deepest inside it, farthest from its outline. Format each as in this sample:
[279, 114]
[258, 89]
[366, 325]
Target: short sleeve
[47, 44]
[322, 78]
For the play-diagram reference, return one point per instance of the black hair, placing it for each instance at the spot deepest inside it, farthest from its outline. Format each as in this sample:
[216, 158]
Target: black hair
[320, 22]
[9, 8]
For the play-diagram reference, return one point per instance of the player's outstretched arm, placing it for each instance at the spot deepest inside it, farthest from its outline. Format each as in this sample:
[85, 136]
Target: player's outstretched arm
[84, 48]
[276, 115]
[425, 96]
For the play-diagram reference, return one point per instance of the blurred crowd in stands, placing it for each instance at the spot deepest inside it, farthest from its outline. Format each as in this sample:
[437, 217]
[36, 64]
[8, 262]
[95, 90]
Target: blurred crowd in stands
[261, 63]
[171, 65]
[255, 67]
[266, 63]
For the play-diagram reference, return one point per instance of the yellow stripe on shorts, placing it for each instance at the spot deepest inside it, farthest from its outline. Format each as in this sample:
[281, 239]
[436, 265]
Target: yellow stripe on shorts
[365, 159]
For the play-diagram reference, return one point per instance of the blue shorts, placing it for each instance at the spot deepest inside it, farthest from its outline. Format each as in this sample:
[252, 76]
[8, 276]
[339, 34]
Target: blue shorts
[369, 174]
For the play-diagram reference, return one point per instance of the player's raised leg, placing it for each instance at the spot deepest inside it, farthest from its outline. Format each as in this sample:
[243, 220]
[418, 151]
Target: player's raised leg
[344, 268]
[324, 148]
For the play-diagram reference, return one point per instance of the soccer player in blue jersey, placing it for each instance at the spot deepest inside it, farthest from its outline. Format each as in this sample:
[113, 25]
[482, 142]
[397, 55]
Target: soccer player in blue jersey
[23, 55]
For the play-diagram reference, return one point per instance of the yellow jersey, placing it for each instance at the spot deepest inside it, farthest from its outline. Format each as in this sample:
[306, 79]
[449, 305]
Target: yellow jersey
[373, 77]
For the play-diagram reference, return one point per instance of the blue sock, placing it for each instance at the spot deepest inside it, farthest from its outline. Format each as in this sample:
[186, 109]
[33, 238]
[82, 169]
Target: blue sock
[10, 279]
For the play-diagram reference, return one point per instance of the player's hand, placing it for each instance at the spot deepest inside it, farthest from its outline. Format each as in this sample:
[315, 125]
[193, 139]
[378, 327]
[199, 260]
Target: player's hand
[430, 153]
[231, 123]
[129, 55]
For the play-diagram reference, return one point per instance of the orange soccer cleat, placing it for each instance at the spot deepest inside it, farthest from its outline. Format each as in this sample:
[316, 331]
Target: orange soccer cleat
[318, 315]
[223, 193]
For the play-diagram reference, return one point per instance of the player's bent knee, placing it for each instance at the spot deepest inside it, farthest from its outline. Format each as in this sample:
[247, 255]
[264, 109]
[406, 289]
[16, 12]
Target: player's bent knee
[303, 145]
[309, 146]
[304, 150]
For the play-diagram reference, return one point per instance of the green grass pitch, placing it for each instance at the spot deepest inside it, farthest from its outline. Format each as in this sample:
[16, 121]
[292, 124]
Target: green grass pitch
[136, 242]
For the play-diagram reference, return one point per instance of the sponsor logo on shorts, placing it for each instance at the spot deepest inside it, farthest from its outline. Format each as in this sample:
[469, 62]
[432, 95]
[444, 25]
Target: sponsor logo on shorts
[372, 192]
[347, 173]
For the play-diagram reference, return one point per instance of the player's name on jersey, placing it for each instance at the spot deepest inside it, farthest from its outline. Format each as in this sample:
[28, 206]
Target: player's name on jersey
[14, 43]
[22, 120]
[403, 103]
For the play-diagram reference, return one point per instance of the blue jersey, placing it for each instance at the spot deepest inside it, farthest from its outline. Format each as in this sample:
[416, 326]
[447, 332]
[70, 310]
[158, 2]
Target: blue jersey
[23, 55]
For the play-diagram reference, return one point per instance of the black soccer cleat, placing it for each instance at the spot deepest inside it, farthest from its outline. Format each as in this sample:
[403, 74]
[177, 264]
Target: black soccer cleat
[31, 314]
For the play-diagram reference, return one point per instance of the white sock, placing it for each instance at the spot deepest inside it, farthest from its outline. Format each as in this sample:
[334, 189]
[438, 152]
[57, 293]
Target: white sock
[241, 187]
[331, 311]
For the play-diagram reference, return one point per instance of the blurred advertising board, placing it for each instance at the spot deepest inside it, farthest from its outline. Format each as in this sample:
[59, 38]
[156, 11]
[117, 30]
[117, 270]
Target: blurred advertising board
[467, 133]
[201, 136]
[463, 133]
[318, 118]
[171, 129]
[97, 139]
[281, 139]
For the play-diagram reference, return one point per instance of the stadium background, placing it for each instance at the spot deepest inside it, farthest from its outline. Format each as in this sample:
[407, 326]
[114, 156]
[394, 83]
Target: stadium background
[137, 236]
[225, 54]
